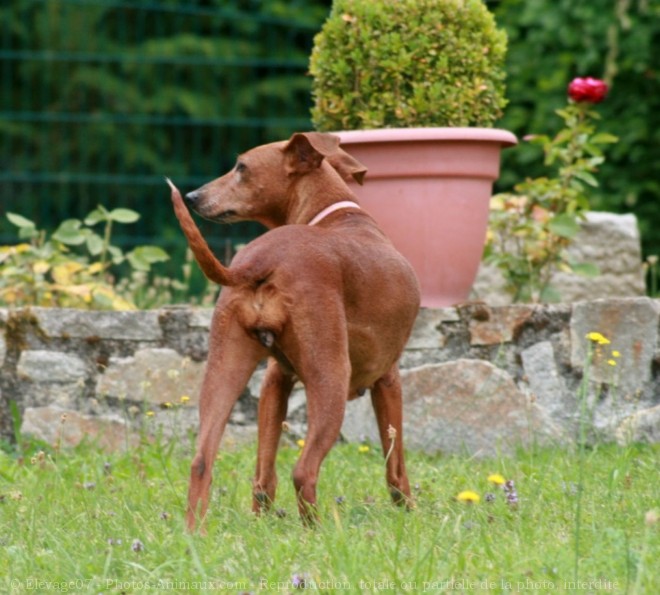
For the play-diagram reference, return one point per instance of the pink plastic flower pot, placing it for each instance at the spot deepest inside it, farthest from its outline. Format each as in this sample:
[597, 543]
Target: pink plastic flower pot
[429, 189]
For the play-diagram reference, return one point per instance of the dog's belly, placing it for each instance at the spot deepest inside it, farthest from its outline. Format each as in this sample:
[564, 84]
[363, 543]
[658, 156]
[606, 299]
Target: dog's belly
[372, 356]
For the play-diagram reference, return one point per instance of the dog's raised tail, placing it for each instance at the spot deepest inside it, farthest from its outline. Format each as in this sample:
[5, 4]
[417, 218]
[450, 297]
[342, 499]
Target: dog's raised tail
[211, 267]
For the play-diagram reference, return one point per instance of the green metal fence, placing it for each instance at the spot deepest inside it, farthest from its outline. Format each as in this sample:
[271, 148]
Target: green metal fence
[100, 99]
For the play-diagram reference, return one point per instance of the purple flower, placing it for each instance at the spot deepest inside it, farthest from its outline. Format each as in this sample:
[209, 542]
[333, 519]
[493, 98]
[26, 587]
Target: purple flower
[511, 493]
[299, 581]
[137, 545]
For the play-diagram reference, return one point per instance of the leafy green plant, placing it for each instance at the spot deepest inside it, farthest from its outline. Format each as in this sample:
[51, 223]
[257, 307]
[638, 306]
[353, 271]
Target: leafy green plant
[407, 63]
[149, 290]
[617, 39]
[72, 267]
[531, 227]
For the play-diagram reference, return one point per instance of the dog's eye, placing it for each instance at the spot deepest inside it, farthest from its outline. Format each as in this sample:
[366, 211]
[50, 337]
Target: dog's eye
[240, 167]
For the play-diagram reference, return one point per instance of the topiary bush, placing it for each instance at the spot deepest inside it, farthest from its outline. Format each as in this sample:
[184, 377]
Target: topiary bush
[407, 63]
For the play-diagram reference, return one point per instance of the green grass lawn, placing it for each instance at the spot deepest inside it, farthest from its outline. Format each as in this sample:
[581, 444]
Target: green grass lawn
[86, 521]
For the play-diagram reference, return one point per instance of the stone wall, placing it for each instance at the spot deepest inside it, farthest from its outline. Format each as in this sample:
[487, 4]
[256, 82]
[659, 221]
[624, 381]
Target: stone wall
[476, 379]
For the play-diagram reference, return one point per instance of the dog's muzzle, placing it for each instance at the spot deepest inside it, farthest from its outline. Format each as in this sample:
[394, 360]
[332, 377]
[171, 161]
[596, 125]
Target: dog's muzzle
[193, 200]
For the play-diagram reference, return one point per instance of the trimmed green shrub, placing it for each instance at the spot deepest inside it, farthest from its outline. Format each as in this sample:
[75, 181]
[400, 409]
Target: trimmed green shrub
[407, 63]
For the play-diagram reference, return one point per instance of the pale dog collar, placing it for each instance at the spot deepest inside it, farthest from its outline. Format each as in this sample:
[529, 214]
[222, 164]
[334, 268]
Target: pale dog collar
[344, 204]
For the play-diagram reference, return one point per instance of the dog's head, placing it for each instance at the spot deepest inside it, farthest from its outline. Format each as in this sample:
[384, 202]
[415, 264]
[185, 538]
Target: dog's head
[260, 185]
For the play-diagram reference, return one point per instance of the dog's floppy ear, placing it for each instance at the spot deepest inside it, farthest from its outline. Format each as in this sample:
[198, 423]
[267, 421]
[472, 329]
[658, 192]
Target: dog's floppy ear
[301, 155]
[347, 166]
[306, 150]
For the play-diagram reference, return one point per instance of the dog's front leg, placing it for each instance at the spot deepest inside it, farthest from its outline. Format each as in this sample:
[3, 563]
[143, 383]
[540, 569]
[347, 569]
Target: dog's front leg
[233, 356]
[273, 402]
[387, 403]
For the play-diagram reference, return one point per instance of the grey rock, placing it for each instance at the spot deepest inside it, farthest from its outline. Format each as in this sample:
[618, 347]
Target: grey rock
[154, 375]
[427, 331]
[50, 367]
[466, 406]
[66, 427]
[545, 382]
[642, 426]
[612, 242]
[69, 323]
[631, 326]
[201, 318]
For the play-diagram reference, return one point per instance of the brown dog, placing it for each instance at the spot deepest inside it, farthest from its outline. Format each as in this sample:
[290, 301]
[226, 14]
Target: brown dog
[323, 294]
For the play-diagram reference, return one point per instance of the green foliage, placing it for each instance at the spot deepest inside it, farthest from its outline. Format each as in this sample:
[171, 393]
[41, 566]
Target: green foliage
[407, 63]
[532, 227]
[72, 267]
[100, 99]
[553, 41]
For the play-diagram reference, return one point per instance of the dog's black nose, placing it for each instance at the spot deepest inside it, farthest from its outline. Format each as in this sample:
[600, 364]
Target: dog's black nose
[192, 197]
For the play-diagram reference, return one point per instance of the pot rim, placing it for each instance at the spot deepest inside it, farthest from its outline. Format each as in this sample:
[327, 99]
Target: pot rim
[459, 133]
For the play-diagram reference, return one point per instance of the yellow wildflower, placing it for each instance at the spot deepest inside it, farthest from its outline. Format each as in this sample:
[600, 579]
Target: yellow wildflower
[615, 353]
[167, 405]
[184, 399]
[300, 443]
[150, 414]
[611, 362]
[469, 497]
[363, 448]
[497, 479]
[598, 338]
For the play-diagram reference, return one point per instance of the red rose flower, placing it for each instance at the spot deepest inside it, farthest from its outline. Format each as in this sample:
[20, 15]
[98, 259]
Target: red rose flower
[587, 89]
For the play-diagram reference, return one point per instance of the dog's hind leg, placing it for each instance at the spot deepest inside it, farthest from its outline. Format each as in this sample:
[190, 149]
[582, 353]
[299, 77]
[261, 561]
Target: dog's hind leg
[273, 401]
[325, 408]
[233, 356]
[326, 380]
[386, 400]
